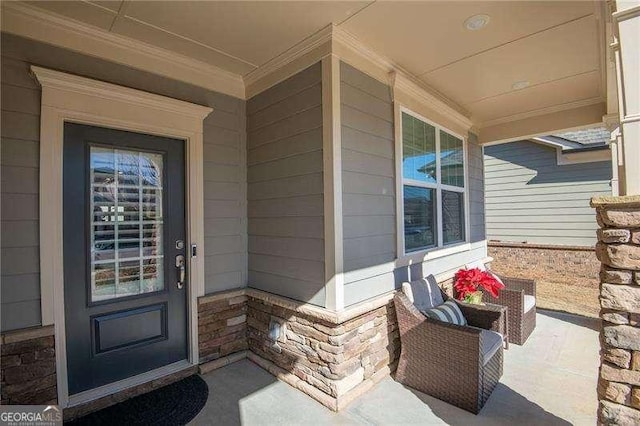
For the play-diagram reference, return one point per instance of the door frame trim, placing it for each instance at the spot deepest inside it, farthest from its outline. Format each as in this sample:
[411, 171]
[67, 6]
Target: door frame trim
[101, 391]
[70, 98]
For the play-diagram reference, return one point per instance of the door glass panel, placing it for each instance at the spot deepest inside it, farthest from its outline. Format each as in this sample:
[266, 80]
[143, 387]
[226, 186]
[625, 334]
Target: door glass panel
[126, 223]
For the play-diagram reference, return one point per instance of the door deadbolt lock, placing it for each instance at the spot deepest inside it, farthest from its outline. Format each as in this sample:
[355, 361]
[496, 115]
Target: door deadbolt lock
[181, 266]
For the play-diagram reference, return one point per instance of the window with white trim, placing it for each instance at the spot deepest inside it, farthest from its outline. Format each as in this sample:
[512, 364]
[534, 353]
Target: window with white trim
[433, 186]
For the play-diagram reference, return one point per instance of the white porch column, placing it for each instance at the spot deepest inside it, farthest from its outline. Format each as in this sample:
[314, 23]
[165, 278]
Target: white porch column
[626, 20]
[332, 168]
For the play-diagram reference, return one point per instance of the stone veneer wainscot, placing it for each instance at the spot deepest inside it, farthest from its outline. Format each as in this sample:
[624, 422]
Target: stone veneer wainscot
[618, 249]
[28, 366]
[222, 329]
[331, 359]
[331, 356]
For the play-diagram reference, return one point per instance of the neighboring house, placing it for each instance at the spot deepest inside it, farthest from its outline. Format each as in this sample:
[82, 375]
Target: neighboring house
[192, 183]
[537, 192]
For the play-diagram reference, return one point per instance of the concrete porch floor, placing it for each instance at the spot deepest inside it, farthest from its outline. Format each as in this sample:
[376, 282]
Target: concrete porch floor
[551, 380]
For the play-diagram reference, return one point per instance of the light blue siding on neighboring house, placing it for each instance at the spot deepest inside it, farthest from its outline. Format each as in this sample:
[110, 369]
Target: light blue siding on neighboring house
[285, 188]
[530, 198]
[224, 171]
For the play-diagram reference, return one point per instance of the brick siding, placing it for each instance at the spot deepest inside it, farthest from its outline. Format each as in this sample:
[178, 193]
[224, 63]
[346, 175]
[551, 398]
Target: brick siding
[577, 266]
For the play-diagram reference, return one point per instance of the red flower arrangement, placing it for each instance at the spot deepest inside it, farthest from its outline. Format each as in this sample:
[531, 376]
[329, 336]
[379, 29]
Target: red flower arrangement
[468, 281]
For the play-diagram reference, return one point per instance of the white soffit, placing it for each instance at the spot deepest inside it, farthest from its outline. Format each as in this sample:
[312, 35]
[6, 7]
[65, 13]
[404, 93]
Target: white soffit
[242, 48]
[549, 56]
[31, 22]
[435, 28]
[532, 100]
[550, 45]
[254, 31]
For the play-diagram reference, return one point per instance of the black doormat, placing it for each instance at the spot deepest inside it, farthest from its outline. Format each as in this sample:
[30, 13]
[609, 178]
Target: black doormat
[174, 404]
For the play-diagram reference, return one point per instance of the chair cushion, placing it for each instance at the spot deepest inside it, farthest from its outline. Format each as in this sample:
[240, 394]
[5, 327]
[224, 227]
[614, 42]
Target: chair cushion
[480, 265]
[477, 264]
[406, 289]
[529, 302]
[424, 293]
[491, 343]
[447, 312]
[497, 278]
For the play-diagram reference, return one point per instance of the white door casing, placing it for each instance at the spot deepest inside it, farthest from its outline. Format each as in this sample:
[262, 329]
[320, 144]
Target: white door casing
[70, 98]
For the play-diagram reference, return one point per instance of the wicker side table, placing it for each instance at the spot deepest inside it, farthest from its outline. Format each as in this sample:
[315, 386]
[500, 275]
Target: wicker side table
[505, 319]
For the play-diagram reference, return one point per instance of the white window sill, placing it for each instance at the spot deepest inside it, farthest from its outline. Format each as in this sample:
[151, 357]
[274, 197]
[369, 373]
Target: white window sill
[414, 258]
[431, 253]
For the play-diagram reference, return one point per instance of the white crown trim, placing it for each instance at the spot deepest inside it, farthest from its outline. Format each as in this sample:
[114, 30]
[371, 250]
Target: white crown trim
[414, 89]
[541, 111]
[402, 79]
[87, 86]
[31, 22]
[306, 46]
[349, 49]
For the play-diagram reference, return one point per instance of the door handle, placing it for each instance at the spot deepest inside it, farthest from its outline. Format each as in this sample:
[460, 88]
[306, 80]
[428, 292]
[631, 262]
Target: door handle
[180, 264]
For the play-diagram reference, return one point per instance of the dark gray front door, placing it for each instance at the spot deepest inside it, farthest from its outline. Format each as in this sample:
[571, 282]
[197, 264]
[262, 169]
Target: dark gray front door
[124, 234]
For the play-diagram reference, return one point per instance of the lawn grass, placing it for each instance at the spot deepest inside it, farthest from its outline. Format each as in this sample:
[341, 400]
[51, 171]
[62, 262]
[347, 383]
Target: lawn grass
[567, 298]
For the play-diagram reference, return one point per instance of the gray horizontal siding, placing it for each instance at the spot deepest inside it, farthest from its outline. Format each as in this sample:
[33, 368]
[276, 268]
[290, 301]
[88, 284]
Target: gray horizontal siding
[224, 156]
[19, 183]
[224, 171]
[530, 198]
[475, 158]
[285, 188]
[368, 186]
[359, 288]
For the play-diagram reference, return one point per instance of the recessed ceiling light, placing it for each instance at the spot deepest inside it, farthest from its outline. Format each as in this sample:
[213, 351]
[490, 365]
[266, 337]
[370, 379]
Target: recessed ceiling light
[477, 22]
[520, 85]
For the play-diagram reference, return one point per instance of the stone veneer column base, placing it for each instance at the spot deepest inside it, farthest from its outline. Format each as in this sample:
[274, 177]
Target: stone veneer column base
[335, 404]
[222, 324]
[28, 367]
[618, 249]
[223, 361]
[333, 359]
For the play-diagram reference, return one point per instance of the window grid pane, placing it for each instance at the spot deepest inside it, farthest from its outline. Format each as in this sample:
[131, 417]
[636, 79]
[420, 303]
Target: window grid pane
[419, 218]
[126, 224]
[451, 160]
[431, 171]
[453, 223]
[418, 150]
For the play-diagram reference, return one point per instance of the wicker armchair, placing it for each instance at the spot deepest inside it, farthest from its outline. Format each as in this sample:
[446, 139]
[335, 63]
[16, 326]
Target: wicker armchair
[522, 316]
[445, 360]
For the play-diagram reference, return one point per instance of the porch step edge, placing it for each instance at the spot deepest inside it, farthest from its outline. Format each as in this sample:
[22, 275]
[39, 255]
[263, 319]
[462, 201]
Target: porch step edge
[333, 403]
[108, 395]
[222, 362]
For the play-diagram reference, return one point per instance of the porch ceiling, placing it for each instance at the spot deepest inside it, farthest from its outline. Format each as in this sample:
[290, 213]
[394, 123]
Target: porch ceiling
[553, 46]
